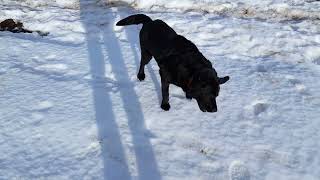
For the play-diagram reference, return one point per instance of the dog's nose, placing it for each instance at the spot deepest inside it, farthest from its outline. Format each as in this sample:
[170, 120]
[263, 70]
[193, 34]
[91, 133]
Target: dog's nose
[213, 110]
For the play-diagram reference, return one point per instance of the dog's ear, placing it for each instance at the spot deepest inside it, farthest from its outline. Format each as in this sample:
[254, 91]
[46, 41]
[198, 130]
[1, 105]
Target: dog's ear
[223, 79]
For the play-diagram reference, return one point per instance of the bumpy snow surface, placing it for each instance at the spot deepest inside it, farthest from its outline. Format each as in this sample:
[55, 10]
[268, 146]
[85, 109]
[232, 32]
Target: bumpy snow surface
[71, 106]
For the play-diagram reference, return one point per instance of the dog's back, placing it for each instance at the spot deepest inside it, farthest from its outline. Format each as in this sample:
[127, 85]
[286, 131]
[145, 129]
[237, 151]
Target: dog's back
[157, 37]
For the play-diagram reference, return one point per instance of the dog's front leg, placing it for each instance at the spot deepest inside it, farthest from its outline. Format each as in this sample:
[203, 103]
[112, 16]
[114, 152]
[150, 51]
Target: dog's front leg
[165, 91]
[188, 95]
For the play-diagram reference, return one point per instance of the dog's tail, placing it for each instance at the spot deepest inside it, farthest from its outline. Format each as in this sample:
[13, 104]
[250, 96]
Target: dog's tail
[134, 19]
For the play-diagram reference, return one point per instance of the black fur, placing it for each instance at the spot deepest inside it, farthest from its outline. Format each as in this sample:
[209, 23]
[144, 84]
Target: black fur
[17, 27]
[13, 26]
[180, 62]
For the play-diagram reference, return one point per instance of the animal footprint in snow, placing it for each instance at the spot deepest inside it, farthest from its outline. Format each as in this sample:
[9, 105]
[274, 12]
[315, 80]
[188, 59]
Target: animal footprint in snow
[258, 107]
[297, 83]
[317, 61]
[292, 79]
[44, 106]
[261, 68]
[312, 54]
[53, 68]
[267, 154]
[2, 71]
[197, 146]
[238, 171]
[301, 88]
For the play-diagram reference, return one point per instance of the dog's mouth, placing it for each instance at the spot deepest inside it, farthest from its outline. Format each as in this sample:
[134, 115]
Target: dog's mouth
[209, 106]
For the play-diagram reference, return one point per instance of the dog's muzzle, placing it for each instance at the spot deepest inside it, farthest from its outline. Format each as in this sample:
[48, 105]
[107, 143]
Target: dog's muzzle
[208, 106]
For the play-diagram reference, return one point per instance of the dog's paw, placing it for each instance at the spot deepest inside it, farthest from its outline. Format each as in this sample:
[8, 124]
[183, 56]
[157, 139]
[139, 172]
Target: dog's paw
[141, 77]
[188, 96]
[165, 107]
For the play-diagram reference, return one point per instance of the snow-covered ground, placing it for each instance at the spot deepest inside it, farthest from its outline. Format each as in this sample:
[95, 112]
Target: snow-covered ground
[261, 9]
[72, 108]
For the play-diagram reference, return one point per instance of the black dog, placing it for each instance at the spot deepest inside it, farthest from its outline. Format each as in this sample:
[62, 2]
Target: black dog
[180, 62]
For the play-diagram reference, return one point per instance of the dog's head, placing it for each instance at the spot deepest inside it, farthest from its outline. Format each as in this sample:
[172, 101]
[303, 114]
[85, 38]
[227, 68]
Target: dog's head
[205, 88]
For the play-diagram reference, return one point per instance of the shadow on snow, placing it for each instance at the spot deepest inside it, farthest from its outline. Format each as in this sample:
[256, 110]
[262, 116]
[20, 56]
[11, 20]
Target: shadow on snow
[114, 159]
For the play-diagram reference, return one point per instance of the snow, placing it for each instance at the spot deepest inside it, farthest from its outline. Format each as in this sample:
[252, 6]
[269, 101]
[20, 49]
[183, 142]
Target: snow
[72, 107]
[267, 9]
[238, 171]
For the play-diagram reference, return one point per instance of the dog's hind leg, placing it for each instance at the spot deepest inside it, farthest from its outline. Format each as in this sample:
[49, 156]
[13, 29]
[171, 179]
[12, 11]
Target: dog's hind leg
[145, 59]
[165, 91]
